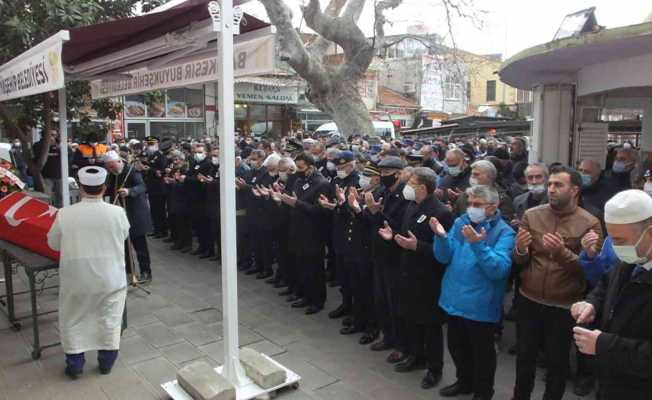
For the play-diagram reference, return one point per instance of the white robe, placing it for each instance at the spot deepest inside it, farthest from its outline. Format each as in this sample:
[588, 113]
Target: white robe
[92, 281]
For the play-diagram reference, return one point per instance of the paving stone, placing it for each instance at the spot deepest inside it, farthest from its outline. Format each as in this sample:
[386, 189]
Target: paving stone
[267, 347]
[340, 391]
[173, 316]
[198, 333]
[312, 377]
[181, 352]
[203, 383]
[158, 335]
[209, 315]
[136, 349]
[156, 371]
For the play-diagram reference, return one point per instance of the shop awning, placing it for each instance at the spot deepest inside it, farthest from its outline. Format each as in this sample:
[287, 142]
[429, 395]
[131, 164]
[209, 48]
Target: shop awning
[88, 42]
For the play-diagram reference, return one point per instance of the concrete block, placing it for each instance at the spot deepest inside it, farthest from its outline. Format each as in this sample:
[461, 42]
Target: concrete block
[202, 382]
[260, 369]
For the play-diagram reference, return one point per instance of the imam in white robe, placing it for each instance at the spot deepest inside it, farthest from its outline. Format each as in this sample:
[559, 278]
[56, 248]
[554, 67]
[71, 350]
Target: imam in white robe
[90, 236]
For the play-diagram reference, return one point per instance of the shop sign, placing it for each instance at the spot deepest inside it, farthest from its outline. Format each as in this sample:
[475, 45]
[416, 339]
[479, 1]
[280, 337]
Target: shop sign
[38, 70]
[246, 92]
[252, 57]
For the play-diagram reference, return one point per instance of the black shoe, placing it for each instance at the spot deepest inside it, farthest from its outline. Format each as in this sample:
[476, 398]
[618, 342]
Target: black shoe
[176, 247]
[339, 312]
[303, 303]
[348, 321]
[152, 234]
[271, 280]
[381, 346]
[349, 330]
[584, 385]
[410, 364]
[216, 257]
[206, 255]
[251, 271]
[264, 275]
[286, 292]
[186, 249]
[168, 240]
[72, 374]
[104, 370]
[160, 235]
[145, 277]
[313, 310]
[197, 252]
[455, 389]
[368, 337]
[396, 357]
[279, 285]
[292, 298]
[430, 380]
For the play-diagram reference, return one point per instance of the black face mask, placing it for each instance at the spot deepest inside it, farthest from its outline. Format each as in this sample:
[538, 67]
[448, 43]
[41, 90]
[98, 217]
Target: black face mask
[388, 180]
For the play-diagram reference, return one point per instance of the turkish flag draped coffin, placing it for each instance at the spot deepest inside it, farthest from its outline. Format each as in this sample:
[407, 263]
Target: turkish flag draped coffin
[26, 221]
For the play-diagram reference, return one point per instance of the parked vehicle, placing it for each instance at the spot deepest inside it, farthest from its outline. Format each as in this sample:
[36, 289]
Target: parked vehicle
[384, 129]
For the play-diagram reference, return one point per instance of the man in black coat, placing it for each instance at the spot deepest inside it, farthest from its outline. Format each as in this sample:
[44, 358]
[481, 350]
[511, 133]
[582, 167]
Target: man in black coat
[420, 277]
[125, 187]
[154, 164]
[306, 234]
[389, 207]
[347, 177]
[52, 169]
[456, 180]
[212, 183]
[621, 304]
[195, 182]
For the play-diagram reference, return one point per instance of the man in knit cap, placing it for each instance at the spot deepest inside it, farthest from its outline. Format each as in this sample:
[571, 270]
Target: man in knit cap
[621, 304]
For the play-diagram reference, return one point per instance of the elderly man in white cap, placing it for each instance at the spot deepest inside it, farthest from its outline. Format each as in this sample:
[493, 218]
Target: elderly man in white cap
[621, 304]
[93, 286]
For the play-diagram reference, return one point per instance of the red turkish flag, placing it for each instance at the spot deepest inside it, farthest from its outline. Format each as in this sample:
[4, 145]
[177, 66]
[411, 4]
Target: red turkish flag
[26, 221]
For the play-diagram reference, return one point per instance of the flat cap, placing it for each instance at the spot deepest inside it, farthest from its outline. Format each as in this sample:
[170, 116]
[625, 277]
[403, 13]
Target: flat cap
[391, 162]
[344, 157]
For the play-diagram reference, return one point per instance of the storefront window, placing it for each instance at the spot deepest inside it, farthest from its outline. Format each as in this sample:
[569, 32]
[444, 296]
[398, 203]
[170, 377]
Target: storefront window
[155, 103]
[163, 129]
[135, 106]
[195, 102]
[176, 107]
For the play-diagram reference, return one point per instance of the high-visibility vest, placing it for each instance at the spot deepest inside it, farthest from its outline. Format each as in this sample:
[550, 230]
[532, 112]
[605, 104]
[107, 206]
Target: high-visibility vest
[88, 151]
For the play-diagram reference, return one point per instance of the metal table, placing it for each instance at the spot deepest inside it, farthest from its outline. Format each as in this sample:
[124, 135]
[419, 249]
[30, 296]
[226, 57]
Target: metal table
[33, 264]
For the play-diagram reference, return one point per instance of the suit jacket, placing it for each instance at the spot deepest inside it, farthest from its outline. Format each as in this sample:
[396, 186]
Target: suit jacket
[136, 203]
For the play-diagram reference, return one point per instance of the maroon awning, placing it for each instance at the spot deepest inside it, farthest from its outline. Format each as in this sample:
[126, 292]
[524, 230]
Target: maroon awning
[91, 41]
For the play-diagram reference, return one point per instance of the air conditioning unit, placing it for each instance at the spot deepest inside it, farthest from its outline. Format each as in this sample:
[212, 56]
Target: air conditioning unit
[409, 88]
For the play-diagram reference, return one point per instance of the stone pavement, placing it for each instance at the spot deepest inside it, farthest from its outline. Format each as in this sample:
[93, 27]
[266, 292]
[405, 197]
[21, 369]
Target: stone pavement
[181, 321]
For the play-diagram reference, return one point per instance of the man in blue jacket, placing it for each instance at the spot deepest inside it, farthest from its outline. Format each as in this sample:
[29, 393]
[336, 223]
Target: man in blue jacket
[478, 253]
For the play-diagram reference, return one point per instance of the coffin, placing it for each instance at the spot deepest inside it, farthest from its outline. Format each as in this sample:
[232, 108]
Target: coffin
[26, 221]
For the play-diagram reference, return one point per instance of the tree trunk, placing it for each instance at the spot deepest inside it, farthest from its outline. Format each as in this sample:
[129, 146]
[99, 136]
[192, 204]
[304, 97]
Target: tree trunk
[342, 100]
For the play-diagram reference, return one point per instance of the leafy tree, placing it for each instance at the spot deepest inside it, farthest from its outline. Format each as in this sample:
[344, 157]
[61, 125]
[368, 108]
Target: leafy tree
[26, 23]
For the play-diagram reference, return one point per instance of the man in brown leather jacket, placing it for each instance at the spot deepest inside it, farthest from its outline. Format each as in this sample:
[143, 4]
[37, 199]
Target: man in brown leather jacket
[548, 246]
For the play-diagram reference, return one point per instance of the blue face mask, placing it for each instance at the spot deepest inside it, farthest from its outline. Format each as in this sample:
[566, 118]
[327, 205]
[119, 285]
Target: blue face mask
[476, 214]
[619, 167]
[587, 180]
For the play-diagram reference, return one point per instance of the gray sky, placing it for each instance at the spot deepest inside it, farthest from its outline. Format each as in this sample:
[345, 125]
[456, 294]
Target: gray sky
[508, 26]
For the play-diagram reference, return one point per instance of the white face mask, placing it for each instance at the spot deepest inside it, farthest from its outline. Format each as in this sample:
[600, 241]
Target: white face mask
[283, 176]
[409, 193]
[537, 189]
[473, 181]
[629, 255]
[454, 171]
[647, 188]
[365, 182]
[476, 214]
[330, 166]
[342, 173]
[152, 149]
[199, 157]
[215, 160]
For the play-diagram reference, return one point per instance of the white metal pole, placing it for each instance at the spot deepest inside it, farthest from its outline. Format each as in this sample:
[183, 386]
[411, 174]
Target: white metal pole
[63, 147]
[232, 369]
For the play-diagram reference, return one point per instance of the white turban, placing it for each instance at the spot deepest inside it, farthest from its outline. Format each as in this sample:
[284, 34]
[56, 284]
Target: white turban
[628, 207]
[111, 156]
[92, 176]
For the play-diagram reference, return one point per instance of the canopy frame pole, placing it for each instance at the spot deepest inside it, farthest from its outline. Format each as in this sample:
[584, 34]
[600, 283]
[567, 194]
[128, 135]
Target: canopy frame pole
[63, 147]
[233, 370]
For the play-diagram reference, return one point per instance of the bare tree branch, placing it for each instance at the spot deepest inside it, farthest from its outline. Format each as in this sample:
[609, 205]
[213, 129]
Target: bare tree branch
[292, 47]
[380, 20]
[319, 47]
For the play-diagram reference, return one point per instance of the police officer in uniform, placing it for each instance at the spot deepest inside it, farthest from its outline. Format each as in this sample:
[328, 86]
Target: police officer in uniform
[154, 164]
